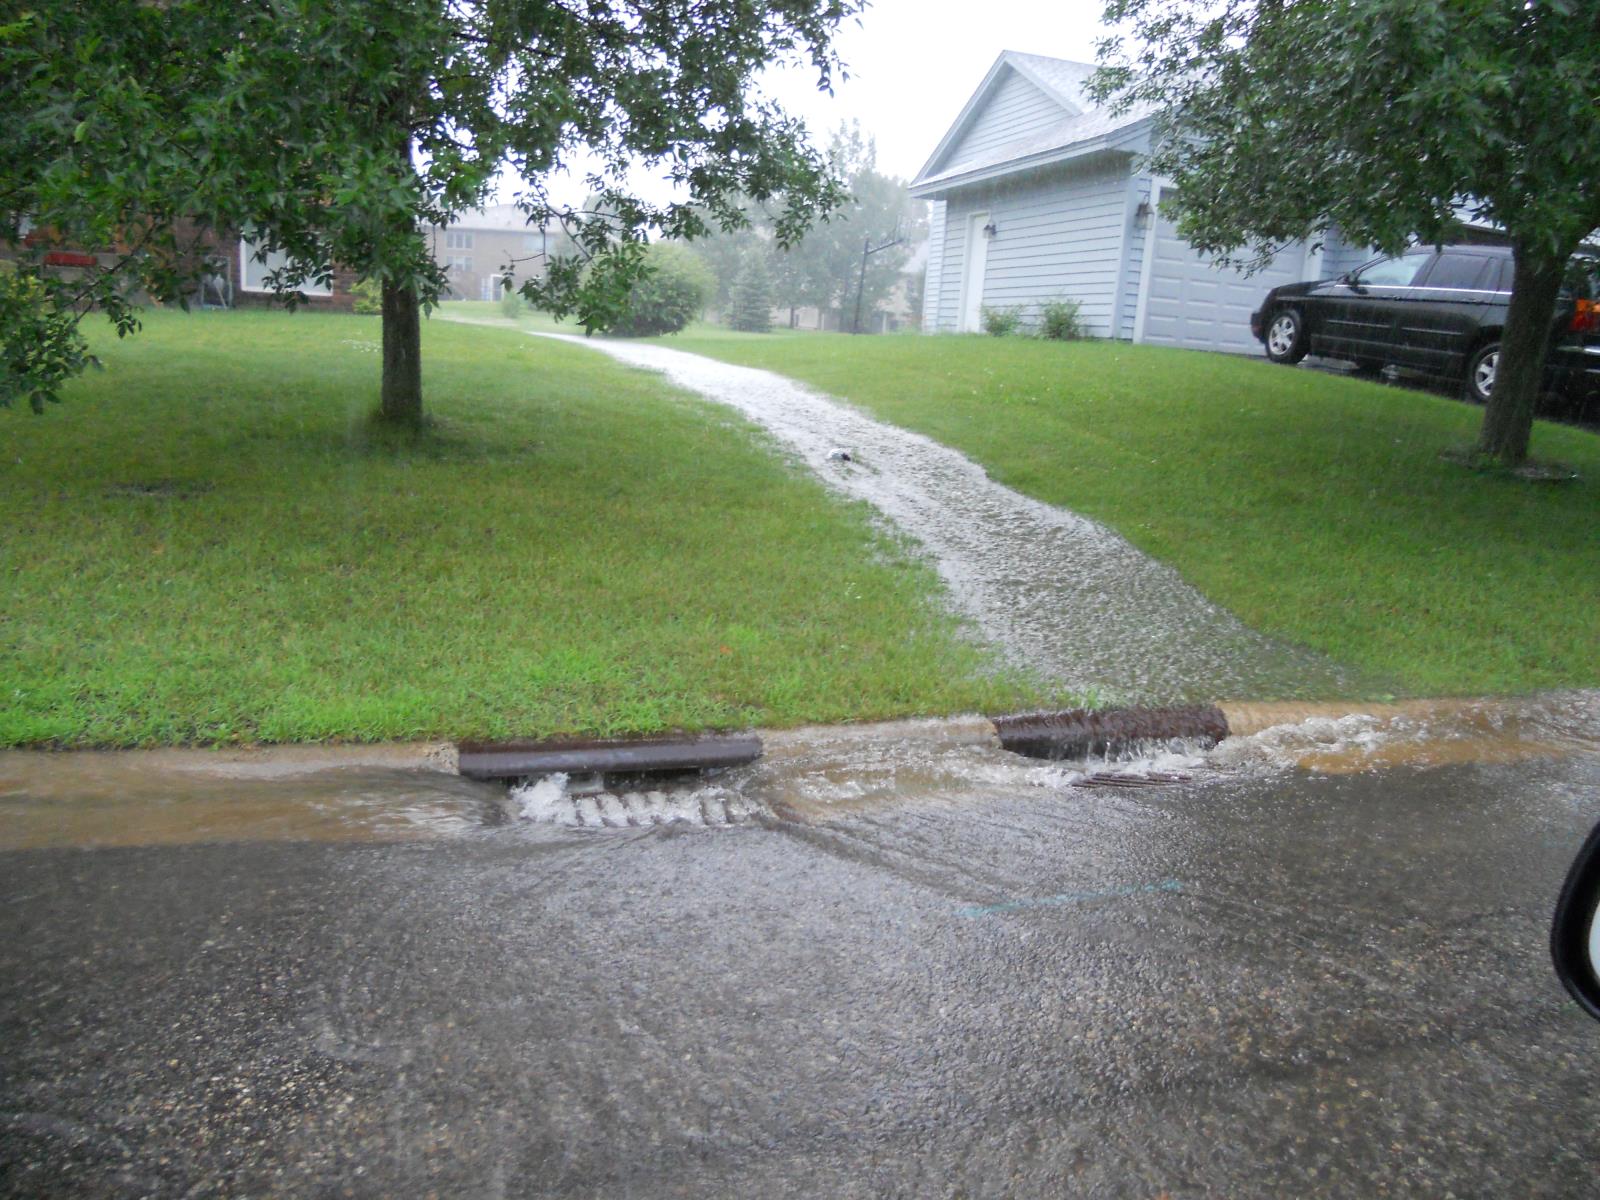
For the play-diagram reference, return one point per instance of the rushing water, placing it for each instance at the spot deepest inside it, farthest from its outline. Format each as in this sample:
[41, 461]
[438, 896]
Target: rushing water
[1057, 593]
[810, 777]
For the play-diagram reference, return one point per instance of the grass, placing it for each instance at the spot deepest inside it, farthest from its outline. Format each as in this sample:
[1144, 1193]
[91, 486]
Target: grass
[1317, 508]
[208, 542]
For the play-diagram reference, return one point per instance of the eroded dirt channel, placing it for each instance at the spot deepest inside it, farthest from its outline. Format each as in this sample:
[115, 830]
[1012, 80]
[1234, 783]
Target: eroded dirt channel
[1055, 592]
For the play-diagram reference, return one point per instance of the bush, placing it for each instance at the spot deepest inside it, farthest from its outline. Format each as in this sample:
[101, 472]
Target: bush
[669, 297]
[1001, 322]
[512, 305]
[42, 345]
[1059, 321]
[369, 297]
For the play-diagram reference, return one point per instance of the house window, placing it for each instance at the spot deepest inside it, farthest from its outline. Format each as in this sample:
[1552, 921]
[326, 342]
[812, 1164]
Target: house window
[456, 240]
[253, 272]
[461, 262]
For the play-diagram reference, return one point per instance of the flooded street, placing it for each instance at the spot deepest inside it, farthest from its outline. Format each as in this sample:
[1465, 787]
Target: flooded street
[1055, 592]
[882, 962]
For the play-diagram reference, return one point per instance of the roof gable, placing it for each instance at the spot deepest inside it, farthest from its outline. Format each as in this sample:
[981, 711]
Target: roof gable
[1027, 105]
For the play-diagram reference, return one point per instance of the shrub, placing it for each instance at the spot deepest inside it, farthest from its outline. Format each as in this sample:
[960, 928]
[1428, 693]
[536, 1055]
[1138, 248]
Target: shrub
[369, 297]
[512, 305]
[669, 297]
[1001, 322]
[1059, 321]
[750, 302]
[43, 347]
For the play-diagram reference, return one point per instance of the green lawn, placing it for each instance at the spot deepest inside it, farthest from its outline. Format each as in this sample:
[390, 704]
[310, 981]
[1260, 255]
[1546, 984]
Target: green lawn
[206, 542]
[1315, 507]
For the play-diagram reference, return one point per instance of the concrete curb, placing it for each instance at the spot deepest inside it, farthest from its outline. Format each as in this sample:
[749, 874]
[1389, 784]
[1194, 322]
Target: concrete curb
[1062, 734]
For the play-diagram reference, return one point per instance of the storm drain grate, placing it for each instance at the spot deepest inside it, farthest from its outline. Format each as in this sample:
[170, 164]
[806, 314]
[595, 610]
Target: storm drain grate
[1131, 779]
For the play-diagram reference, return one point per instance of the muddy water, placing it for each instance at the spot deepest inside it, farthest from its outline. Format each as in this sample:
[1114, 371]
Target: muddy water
[1057, 593]
[110, 799]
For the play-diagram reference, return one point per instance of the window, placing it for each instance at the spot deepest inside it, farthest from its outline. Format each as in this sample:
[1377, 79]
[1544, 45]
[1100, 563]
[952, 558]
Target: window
[253, 273]
[1582, 280]
[461, 262]
[1392, 272]
[1465, 271]
[457, 240]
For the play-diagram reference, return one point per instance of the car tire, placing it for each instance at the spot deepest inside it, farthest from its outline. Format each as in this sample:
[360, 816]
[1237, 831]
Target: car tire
[1286, 336]
[1481, 369]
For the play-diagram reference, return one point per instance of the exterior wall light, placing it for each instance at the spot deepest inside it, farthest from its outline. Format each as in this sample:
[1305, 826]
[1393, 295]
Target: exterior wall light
[989, 230]
[1142, 213]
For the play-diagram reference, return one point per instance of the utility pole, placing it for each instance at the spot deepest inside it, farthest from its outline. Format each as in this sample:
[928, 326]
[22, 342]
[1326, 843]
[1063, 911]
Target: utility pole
[867, 251]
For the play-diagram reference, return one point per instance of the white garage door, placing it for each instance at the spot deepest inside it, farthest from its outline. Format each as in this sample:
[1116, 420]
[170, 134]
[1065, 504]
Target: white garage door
[1198, 306]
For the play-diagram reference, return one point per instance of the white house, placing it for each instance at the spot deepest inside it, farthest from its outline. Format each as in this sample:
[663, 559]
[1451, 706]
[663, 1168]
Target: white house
[1038, 195]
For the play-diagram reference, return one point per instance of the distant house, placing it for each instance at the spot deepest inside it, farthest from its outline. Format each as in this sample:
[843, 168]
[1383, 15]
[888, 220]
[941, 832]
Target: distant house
[1038, 195]
[477, 246]
[247, 284]
[474, 250]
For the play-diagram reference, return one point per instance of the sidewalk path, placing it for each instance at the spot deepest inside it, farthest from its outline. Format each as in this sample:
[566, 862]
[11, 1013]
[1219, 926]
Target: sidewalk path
[1056, 592]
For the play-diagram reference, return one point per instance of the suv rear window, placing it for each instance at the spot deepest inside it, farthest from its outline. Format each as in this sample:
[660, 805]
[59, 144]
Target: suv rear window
[1465, 271]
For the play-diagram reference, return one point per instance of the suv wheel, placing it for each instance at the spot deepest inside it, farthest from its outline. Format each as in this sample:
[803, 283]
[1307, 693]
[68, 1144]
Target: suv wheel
[1286, 336]
[1481, 371]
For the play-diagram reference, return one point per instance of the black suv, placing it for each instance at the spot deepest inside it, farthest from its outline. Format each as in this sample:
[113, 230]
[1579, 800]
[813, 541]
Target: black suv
[1437, 313]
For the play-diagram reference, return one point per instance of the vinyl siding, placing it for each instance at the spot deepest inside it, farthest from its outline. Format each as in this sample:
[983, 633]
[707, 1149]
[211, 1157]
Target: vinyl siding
[947, 305]
[1339, 257]
[935, 268]
[1060, 236]
[1015, 109]
[1141, 187]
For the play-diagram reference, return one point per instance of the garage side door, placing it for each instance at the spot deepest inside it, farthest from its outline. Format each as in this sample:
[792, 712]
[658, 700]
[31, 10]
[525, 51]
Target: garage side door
[1198, 306]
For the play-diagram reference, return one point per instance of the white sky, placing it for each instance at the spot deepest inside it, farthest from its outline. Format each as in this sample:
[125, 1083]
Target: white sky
[913, 64]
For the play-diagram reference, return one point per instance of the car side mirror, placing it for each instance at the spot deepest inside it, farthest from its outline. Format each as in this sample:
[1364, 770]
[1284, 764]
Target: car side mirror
[1575, 932]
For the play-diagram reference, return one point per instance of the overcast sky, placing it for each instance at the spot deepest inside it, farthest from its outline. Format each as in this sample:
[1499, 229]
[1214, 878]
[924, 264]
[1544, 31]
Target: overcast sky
[913, 64]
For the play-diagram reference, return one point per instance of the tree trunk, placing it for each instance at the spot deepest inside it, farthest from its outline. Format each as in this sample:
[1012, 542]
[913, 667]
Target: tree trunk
[1519, 376]
[400, 401]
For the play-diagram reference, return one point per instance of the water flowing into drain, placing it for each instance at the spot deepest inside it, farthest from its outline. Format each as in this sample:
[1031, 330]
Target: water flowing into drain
[805, 778]
[1057, 593]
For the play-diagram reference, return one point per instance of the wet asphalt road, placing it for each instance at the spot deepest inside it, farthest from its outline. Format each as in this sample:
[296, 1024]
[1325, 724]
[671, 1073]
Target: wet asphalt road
[1259, 983]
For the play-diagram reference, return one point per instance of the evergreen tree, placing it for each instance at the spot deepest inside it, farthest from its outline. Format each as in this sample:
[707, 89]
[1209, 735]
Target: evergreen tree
[750, 305]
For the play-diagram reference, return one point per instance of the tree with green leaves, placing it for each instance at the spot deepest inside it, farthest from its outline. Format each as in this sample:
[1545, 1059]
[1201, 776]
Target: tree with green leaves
[333, 132]
[1279, 119]
[824, 268]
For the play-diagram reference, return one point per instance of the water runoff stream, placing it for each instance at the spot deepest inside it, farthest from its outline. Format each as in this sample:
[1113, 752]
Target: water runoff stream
[1054, 592]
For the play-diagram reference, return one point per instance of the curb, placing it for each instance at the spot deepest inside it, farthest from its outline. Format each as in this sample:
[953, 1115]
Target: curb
[1053, 735]
[1064, 734]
